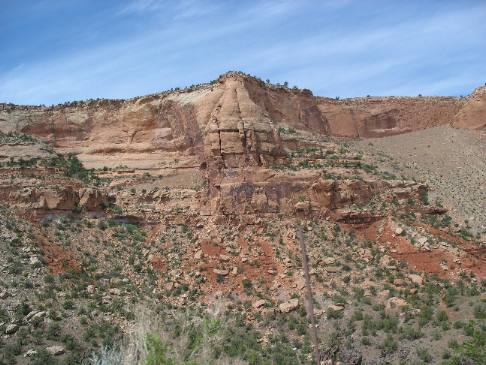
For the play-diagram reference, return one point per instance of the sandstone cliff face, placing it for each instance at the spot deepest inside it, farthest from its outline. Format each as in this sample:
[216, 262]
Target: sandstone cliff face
[178, 121]
[379, 117]
[231, 117]
[240, 136]
[240, 109]
[39, 191]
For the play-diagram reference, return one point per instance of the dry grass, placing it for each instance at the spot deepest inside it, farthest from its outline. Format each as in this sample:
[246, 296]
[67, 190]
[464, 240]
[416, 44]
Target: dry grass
[138, 346]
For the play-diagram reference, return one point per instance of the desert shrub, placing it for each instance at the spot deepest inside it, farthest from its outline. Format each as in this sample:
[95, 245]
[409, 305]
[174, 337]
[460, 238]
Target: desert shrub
[465, 234]
[72, 167]
[424, 355]
[3, 315]
[157, 351]
[450, 296]
[389, 345]
[14, 137]
[480, 311]
[424, 197]
[411, 333]
[442, 316]
[334, 314]
[472, 351]
[22, 309]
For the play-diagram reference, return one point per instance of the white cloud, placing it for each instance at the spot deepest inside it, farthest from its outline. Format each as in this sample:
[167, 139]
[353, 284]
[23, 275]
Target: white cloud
[201, 39]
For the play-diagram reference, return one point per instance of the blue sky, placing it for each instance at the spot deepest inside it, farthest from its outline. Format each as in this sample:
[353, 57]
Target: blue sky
[53, 51]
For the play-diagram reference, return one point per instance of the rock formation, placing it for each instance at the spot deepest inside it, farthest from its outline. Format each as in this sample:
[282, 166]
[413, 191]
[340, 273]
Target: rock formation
[238, 133]
[190, 199]
[473, 113]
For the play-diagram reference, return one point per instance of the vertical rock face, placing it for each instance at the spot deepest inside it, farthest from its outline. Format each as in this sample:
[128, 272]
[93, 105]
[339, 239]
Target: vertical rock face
[242, 141]
[238, 132]
[385, 116]
[287, 107]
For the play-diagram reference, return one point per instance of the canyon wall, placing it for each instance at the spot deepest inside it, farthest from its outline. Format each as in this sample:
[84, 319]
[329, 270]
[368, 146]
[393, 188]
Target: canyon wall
[179, 120]
[240, 135]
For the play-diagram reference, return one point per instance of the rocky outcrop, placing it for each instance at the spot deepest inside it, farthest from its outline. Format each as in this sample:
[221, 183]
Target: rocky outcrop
[266, 191]
[59, 198]
[239, 132]
[473, 114]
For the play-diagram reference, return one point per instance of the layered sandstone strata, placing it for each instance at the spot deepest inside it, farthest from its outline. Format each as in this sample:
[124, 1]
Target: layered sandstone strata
[238, 134]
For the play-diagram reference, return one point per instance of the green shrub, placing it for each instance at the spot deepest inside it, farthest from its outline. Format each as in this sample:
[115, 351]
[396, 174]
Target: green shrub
[334, 314]
[42, 357]
[157, 351]
[389, 345]
[424, 355]
[72, 167]
[472, 351]
[424, 197]
[411, 333]
[442, 316]
[480, 311]
[450, 296]
[53, 331]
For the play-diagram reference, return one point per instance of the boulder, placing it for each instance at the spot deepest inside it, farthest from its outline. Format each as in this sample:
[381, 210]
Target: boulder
[336, 307]
[398, 282]
[34, 260]
[198, 255]
[11, 328]
[258, 303]
[92, 199]
[221, 272]
[40, 314]
[332, 269]
[55, 350]
[416, 279]
[396, 302]
[289, 306]
[329, 261]
[115, 291]
[30, 353]
[302, 206]
[422, 240]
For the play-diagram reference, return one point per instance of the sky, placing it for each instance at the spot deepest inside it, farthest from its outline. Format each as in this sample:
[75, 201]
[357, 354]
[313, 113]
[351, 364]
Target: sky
[52, 51]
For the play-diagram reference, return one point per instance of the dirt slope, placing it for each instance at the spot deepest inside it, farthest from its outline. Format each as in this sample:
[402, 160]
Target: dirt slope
[452, 161]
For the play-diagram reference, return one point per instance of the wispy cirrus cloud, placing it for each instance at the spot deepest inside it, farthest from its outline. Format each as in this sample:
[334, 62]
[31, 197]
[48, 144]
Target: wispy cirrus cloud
[346, 49]
[180, 9]
[138, 6]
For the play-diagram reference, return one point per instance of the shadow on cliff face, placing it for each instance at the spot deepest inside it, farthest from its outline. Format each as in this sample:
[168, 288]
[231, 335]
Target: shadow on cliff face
[297, 109]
